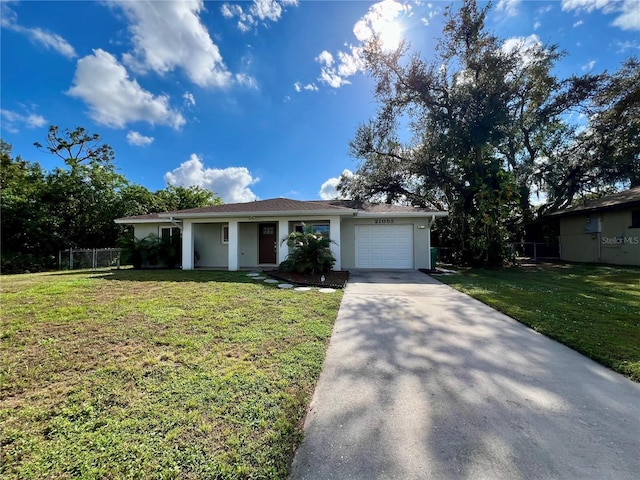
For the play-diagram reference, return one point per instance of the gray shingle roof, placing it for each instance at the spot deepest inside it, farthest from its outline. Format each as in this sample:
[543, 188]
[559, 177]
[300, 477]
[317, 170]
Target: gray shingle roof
[374, 207]
[624, 199]
[281, 206]
[270, 205]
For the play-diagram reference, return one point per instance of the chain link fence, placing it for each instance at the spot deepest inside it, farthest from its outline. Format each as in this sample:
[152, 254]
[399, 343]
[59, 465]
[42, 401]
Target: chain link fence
[93, 258]
[536, 251]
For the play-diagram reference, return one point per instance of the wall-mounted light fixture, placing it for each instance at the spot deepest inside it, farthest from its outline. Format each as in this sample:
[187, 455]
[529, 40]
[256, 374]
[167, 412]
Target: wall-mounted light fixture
[421, 227]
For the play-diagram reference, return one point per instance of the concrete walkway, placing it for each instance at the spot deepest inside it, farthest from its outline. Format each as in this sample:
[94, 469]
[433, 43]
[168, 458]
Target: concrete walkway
[423, 382]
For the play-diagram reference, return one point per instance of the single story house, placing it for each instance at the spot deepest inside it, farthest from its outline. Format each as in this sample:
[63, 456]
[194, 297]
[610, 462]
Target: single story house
[604, 230]
[250, 235]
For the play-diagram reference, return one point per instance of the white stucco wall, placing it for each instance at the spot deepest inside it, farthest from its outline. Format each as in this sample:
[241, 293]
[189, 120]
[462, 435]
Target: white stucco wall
[212, 253]
[248, 248]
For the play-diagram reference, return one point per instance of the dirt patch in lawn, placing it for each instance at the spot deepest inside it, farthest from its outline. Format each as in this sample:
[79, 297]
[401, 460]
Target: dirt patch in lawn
[333, 279]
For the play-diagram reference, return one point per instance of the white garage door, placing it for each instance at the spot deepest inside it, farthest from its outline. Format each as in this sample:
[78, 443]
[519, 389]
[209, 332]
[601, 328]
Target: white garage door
[384, 246]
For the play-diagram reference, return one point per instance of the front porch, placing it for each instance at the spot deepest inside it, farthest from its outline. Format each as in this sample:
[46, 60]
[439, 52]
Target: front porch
[237, 244]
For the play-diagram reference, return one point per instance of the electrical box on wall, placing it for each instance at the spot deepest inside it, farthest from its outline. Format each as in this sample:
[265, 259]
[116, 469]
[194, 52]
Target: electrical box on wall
[593, 225]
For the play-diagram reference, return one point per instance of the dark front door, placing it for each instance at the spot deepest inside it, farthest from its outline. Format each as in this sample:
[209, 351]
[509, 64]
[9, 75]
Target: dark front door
[268, 243]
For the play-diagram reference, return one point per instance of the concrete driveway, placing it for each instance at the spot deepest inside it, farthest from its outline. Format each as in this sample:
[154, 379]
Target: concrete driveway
[423, 382]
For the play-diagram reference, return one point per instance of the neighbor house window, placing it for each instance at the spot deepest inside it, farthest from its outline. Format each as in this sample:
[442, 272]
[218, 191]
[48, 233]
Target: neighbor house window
[224, 234]
[635, 218]
[170, 233]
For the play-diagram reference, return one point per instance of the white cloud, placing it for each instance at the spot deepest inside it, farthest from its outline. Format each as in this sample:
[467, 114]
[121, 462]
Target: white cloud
[325, 59]
[627, 11]
[329, 189]
[578, 23]
[52, 41]
[114, 99]
[12, 121]
[628, 45]
[509, 7]
[229, 11]
[524, 45]
[231, 184]
[331, 78]
[246, 80]
[259, 11]
[629, 19]
[188, 98]
[170, 35]
[312, 87]
[349, 63]
[537, 25]
[588, 66]
[136, 138]
[381, 21]
[266, 9]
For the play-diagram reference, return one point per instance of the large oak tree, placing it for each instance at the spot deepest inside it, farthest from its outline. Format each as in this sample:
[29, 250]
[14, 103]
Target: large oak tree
[487, 122]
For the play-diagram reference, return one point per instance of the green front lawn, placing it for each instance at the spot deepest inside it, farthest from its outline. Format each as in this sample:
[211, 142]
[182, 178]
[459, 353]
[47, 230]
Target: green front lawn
[165, 374]
[592, 309]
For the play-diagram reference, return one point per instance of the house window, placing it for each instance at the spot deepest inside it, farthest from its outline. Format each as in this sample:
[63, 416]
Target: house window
[322, 228]
[170, 233]
[635, 218]
[224, 234]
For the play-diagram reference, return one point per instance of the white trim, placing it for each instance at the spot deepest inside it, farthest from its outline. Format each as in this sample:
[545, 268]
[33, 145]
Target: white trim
[222, 240]
[234, 238]
[283, 232]
[334, 235]
[122, 221]
[187, 245]
[403, 214]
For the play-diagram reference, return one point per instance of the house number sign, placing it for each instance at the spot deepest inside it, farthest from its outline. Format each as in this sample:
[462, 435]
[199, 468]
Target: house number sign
[383, 220]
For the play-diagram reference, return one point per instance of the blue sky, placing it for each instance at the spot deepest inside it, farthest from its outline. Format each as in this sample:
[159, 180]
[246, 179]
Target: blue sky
[253, 100]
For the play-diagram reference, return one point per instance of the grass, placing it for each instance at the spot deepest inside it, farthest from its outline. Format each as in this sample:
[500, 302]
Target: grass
[592, 309]
[165, 374]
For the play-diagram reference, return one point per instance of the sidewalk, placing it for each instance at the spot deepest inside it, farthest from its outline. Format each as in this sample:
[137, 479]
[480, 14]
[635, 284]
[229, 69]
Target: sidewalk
[423, 382]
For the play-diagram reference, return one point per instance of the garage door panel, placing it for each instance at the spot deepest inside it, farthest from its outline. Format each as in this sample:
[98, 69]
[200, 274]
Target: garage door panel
[384, 246]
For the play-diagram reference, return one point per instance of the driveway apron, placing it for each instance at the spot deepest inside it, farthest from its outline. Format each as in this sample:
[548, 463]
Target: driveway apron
[423, 382]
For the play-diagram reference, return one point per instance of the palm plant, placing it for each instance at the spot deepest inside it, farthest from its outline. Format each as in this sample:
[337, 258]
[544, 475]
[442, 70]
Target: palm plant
[311, 252]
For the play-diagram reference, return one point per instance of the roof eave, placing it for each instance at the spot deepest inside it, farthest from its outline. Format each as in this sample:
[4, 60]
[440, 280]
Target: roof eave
[589, 210]
[282, 213]
[403, 214]
[130, 221]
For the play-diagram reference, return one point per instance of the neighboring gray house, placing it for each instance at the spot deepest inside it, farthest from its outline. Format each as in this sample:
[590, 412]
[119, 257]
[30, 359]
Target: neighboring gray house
[603, 230]
[249, 235]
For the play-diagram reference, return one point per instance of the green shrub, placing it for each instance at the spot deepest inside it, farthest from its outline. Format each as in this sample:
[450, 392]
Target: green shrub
[151, 250]
[311, 252]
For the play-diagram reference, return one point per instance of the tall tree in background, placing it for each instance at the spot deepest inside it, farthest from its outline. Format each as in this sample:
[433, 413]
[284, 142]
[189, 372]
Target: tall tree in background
[24, 234]
[174, 198]
[487, 121]
[84, 197]
[604, 154]
[75, 205]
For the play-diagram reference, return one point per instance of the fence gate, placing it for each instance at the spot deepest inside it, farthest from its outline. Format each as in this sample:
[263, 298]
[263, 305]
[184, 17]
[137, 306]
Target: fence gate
[81, 258]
